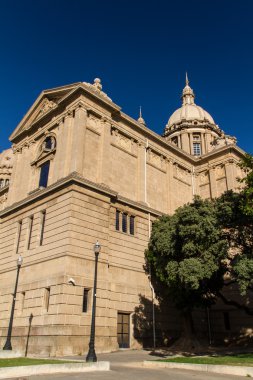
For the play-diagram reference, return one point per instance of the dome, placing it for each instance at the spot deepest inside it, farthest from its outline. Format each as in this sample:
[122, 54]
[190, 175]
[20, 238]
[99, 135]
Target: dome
[189, 111]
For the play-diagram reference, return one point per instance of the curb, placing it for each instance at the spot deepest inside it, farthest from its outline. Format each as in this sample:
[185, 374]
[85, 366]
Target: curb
[44, 369]
[221, 369]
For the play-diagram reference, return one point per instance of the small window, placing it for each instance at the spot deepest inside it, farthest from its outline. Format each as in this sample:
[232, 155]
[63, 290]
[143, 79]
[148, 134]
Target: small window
[49, 143]
[18, 235]
[85, 300]
[132, 219]
[43, 219]
[2, 183]
[196, 149]
[175, 140]
[44, 172]
[124, 222]
[30, 232]
[117, 220]
[46, 298]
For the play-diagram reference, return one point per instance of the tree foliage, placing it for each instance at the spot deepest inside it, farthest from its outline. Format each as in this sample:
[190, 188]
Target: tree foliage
[187, 253]
[247, 193]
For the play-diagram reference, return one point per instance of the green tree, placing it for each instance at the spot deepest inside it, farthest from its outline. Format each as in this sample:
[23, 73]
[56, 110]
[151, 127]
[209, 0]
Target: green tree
[247, 193]
[187, 254]
[237, 225]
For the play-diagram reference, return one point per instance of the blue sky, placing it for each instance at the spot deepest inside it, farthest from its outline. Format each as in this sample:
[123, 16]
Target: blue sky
[140, 49]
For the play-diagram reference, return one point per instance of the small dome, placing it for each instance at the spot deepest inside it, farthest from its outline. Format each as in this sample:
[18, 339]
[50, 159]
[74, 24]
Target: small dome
[189, 112]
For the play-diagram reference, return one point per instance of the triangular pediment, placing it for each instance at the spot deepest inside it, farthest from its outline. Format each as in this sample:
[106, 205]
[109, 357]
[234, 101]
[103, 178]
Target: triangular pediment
[45, 103]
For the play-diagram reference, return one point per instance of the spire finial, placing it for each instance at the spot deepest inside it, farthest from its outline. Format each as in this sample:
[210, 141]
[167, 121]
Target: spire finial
[186, 79]
[140, 119]
[188, 94]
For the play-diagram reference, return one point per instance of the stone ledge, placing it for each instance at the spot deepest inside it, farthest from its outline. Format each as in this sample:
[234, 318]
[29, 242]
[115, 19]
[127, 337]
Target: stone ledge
[221, 369]
[43, 369]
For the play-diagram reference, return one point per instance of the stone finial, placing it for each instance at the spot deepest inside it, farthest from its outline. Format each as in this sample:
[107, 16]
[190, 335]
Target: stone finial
[140, 119]
[97, 84]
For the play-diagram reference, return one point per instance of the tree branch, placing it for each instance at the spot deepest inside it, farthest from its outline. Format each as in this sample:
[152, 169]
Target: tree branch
[235, 304]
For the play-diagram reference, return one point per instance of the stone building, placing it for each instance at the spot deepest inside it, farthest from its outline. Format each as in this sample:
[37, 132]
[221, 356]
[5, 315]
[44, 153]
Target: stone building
[79, 170]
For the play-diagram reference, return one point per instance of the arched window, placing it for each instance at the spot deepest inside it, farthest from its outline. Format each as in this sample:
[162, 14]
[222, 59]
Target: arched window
[49, 143]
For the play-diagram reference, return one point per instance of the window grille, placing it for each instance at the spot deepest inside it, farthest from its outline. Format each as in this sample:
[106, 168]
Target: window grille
[132, 218]
[30, 232]
[124, 222]
[196, 149]
[85, 300]
[43, 219]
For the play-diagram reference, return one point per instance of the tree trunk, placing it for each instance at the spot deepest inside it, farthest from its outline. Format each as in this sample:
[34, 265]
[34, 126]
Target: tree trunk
[188, 341]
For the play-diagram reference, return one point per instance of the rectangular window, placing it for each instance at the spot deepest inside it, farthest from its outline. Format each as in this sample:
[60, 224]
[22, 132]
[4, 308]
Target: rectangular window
[117, 220]
[30, 232]
[43, 219]
[44, 171]
[85, 300]
[47, 298]
[124, 222]
[18, 235]
[196, 149]
[132, 219]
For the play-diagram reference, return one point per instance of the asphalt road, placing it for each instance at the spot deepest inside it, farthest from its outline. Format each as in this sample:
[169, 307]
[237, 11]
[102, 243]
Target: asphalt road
[127, 365]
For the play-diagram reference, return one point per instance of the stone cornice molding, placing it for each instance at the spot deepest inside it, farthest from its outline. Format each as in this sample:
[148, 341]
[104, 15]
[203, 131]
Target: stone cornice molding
[75, 178]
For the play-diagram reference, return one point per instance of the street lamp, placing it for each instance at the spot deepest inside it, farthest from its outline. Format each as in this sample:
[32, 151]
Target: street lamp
[91, 357]
[7, 345]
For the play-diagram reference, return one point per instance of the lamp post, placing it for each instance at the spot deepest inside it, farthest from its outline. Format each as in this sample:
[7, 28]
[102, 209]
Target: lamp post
[91, 357]
[7, 345]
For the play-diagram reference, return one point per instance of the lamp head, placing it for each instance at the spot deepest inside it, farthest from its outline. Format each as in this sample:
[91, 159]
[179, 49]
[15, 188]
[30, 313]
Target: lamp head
[97, 247]
[19, 261]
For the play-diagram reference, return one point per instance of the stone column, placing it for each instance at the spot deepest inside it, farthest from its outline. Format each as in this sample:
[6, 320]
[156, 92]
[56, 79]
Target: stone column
[203, 143]
[59, 154]
[141, 172]
[185, 142]
[212, 178]
[78, 129]
[191, 144]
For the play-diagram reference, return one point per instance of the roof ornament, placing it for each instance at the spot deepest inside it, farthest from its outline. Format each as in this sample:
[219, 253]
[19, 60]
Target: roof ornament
[186, 79]
[188, 94]
[97, 84]
[140, 119]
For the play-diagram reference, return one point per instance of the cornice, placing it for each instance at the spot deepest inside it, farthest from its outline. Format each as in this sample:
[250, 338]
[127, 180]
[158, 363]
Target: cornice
[75, 178]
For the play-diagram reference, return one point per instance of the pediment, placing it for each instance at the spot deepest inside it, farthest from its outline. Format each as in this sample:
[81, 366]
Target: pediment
[45, 103]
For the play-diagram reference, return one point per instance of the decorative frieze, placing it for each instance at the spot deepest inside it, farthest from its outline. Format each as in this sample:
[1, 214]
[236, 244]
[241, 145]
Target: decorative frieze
[124, 142]
[182, 174]
[93, 123]
[156, 159]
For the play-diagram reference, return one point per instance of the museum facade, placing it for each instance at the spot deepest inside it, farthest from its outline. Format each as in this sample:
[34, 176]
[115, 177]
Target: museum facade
[81, 170]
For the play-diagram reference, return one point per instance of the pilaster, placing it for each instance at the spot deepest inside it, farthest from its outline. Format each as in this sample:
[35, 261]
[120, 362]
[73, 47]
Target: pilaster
[141, 173]
[78, 129]
[213, 187]
[104, 149]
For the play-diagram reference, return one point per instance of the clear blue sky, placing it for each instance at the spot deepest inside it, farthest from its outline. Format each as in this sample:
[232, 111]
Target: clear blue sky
[139, 48]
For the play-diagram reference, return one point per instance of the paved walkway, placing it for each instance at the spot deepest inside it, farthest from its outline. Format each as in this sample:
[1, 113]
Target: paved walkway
[127, 365]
